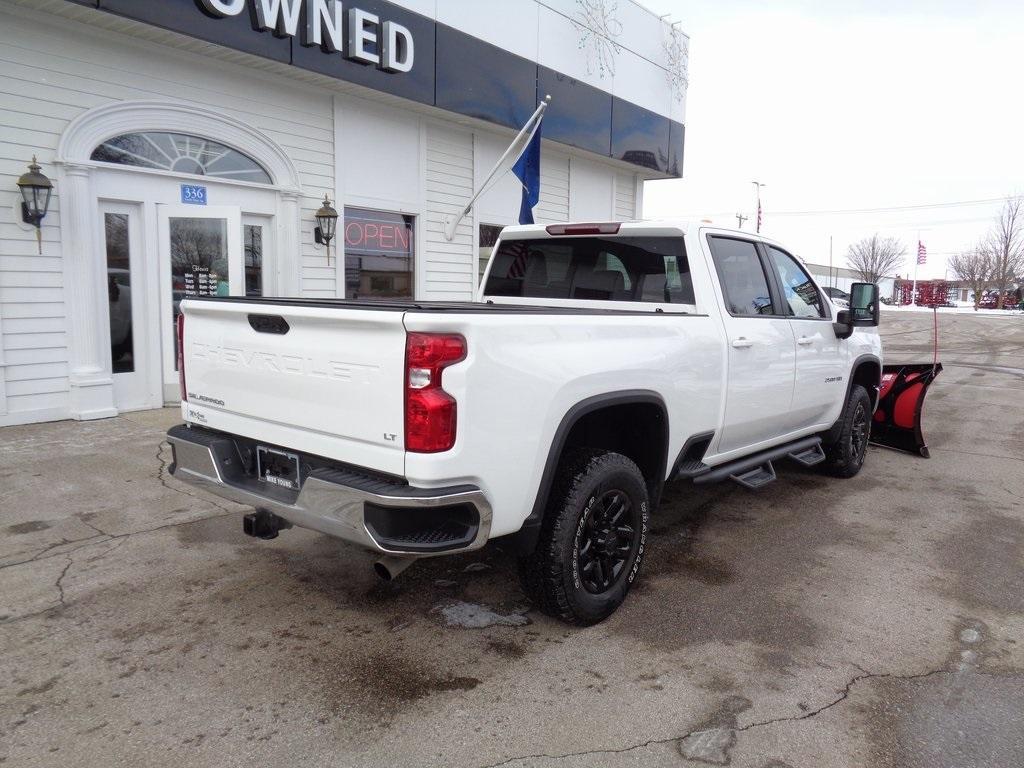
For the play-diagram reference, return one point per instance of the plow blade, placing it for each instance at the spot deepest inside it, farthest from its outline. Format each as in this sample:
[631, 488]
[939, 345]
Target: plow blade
[897, 420]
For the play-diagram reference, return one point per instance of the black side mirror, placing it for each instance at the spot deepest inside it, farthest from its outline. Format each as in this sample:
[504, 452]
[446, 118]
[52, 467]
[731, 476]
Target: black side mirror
[864, 304]
[863, 312]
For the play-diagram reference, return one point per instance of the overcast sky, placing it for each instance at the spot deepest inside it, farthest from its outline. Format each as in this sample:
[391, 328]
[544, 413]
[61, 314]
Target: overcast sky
[851, 105]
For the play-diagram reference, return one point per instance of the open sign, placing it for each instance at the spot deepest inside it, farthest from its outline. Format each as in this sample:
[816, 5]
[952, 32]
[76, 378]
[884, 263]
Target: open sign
[377, 232]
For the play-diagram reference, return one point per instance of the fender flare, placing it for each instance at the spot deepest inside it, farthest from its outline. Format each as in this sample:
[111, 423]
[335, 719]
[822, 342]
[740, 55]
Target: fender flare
[530, 529]
[832, 434]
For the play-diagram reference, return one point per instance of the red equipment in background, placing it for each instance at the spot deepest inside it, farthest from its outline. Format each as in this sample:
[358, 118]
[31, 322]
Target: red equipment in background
[930, 293]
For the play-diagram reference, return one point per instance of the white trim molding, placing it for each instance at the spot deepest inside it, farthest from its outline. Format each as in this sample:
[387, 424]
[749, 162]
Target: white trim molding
[92, 128]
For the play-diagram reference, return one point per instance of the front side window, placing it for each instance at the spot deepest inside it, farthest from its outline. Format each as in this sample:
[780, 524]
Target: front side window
[744, 284]
[180, 153]
[647, 269]
[379, 250]
[801, 293]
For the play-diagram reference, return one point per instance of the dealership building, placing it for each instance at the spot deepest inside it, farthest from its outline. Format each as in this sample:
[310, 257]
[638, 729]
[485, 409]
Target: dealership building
[190, 144]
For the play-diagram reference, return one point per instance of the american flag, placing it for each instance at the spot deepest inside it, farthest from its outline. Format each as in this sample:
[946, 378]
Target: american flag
[922, 253]
[517, 270]
[758, 215]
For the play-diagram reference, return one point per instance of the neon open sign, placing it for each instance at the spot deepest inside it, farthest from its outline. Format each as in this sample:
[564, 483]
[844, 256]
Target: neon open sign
[376, 232]
[358, 35]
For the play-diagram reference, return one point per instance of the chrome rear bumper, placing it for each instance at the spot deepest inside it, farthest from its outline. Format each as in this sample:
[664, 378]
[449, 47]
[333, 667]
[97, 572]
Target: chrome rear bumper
[330, 501]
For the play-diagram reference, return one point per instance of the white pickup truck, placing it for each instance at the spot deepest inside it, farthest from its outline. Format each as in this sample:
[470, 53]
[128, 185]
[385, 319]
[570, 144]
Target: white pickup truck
[599, 362]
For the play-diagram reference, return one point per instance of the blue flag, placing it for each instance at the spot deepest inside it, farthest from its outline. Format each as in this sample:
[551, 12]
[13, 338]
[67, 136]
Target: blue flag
[527, 169]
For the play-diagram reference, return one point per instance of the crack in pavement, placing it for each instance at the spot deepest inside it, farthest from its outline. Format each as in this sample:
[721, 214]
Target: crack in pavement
[102, 537]
[844, 693]
[119, 537]
[44, 554]
[162, 477]
[60, 579]
[119, 540]
[66, 547]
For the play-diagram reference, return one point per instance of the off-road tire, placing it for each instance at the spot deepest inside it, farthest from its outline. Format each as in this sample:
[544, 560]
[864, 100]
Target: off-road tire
[845, 456]
[551, 575]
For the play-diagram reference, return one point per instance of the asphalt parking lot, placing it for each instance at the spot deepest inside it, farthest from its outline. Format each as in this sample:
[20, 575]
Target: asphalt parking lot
[872, 622]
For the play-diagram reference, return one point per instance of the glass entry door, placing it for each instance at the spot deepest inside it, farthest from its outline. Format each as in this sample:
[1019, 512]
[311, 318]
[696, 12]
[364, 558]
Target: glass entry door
[201, 253]
[133, 355]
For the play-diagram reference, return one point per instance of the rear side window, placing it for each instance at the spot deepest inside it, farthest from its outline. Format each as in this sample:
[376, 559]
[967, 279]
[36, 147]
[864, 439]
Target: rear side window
[743, 280]
[801, 294]
[651, 269]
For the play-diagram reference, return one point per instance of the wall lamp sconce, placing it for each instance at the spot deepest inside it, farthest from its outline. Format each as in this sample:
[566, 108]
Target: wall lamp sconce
[327, 221]
[35, 198]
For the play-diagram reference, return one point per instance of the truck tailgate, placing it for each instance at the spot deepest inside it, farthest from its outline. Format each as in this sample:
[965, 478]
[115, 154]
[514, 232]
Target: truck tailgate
[330, 384]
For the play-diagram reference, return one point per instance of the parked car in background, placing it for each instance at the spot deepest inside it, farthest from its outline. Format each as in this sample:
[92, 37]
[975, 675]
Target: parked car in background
[839, 297]
[990, 300]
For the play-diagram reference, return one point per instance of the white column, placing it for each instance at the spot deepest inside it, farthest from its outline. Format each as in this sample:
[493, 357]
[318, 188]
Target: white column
[289, 250]
[85, 282]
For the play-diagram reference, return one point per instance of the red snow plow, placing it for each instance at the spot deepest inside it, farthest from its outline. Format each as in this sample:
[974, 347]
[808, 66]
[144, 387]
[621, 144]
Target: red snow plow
[897, 420]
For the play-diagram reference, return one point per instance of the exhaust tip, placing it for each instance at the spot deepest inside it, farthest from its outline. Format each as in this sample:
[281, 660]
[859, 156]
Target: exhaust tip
[388, 568]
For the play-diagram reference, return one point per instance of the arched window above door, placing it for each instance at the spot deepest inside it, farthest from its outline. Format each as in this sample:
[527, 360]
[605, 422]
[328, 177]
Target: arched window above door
[180, 153]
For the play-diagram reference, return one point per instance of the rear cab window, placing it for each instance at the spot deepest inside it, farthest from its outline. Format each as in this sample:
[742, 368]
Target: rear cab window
[618, 268]
[744, 282]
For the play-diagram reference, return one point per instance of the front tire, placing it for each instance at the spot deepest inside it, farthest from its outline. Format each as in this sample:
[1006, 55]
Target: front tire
[592, 540]
[845, 456]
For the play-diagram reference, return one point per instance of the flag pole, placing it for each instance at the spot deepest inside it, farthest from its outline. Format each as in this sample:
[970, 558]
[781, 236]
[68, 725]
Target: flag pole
[452, 222]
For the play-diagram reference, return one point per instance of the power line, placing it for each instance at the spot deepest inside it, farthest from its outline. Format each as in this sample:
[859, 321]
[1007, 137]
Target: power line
[883, 209]
[922, 206]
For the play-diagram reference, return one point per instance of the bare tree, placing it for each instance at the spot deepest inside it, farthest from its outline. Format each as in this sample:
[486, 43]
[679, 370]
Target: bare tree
[873, 258]
[974, 268]
[198, 242]
[1005, 246]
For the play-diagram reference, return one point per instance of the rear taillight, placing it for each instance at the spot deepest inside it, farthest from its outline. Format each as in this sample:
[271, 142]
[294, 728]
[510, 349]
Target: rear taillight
[430, 412]
[180, 330]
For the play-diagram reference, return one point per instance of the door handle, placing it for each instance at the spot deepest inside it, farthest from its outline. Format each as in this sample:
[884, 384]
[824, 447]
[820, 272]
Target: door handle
[805, 340]
[742, 342]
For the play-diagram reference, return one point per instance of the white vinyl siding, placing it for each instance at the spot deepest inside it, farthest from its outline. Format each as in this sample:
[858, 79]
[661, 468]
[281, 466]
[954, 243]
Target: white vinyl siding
[625, 197]
[449, 273]
[54, 70]
[553, 205]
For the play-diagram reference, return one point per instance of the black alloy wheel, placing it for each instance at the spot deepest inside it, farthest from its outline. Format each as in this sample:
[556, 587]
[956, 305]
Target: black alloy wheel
[846, 451]
[604, 541]
[859, 434]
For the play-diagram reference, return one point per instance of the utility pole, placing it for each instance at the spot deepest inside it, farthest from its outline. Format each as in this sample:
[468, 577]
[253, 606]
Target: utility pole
[831, 277]
[757, 188]
[740, 218]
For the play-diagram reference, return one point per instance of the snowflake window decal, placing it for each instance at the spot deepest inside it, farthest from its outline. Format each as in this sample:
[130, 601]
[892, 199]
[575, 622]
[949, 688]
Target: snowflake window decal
[597, 28]
[676, 47]
[180, 153]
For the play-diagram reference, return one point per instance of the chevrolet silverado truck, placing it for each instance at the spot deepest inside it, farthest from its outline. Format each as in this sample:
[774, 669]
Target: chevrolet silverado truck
[599, 362]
